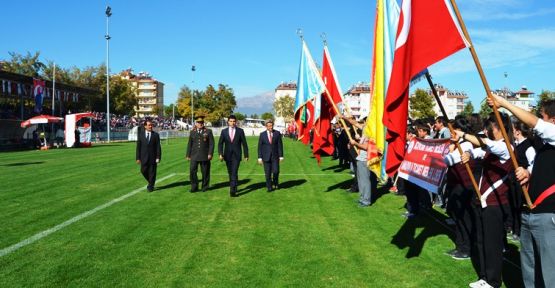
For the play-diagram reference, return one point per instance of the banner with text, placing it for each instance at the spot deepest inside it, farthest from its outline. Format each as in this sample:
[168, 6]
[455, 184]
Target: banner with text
[423, 163]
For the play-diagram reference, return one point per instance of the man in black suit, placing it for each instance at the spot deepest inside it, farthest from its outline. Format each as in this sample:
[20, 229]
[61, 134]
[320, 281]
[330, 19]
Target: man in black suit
[199, 151]
[270, 153]
[229, 148]
[149, 154]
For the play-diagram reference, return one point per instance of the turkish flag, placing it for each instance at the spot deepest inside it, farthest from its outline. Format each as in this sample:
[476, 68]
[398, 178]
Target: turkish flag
[323, 135]
[428, 31]
[305, 125]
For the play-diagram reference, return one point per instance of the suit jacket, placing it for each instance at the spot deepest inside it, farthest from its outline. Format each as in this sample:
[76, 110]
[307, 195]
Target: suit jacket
[233, 149]
[148, 151]
[201, 144]
[267, 150]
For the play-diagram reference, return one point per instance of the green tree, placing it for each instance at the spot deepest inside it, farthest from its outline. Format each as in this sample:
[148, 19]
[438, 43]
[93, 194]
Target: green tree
[267, 116]
[240, 116]
[184, 101]
[226, 101]
[169, 111]
[63, 75]
[468, 109]
[254, 116]
[544, 96]
[283, 106]
[123, 99]
[29, 64]
[422, 105]
[485, 110]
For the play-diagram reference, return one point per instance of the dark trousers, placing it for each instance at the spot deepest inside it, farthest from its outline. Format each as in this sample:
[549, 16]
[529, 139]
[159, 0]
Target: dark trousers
[232, 169]
[458, 207]
[271, 169]
[515, 201]
[149, 172]
[489, 239]
[414, 194]
[204, 170]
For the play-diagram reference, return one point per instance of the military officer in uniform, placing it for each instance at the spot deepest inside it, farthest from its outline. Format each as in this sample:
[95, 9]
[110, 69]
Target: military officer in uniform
[199, 151]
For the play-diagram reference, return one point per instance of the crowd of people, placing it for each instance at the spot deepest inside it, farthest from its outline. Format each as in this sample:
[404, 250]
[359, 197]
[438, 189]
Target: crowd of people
[128, 122]
[483, 224]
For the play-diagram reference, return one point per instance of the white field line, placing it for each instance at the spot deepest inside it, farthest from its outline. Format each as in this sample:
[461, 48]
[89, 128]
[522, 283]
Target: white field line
[280, 174]
[47, 232]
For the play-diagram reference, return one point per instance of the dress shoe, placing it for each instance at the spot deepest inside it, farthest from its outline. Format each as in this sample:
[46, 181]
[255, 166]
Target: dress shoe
[149, 189]
[193, 190]
[204, 189]
[270, 190]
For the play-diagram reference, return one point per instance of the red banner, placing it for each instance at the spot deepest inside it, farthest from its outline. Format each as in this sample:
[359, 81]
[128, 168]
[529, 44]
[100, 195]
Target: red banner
[423, 164]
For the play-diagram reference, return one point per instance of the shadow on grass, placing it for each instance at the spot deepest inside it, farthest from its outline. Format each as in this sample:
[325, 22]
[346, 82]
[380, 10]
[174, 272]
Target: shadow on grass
[291, 183]
[336, 168]
[226, 184]
[341, 185]
[379, 192]
[428, 219]
[23, 163]
[406, 237]
[174, 184]
[512, 273]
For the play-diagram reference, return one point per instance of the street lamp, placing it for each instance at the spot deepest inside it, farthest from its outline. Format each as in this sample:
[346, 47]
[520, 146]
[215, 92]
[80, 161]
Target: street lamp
[193, 69]
[107, 36]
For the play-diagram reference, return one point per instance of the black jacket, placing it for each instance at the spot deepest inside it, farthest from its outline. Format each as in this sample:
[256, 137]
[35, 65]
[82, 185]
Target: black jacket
[267, 150]
[233, 149]
[148, 151]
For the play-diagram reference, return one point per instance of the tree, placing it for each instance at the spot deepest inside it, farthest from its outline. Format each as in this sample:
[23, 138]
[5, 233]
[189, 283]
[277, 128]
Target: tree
[421, 105]
[485, 110]
[542, 97]
[184, 101]
[28, 65]
[240, 116]
[468, 109]
[254, 116]
[213, 104]
[169, 111]
[267, 116]
[123, 99]
[283, 106]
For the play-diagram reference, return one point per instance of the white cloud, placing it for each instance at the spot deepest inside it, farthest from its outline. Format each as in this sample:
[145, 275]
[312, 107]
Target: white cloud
[516, 48]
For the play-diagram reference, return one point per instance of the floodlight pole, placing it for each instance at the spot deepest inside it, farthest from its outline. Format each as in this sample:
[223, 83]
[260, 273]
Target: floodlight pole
[107, 36]
[193, 69]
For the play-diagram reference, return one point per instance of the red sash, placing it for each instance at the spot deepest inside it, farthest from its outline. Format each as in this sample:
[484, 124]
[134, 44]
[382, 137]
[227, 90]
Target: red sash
[548, 192]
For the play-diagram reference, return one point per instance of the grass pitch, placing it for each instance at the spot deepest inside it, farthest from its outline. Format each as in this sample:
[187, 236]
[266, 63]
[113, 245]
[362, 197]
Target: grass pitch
[310, 233]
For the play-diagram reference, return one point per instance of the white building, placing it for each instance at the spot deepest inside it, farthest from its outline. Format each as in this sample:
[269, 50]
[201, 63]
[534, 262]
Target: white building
[149, 91]
[521, 99]
[453, 101]
[282, 90]
[358, 100]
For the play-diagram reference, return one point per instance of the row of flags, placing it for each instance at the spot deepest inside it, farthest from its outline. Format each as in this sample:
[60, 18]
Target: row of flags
[407, 40]
[12, 88]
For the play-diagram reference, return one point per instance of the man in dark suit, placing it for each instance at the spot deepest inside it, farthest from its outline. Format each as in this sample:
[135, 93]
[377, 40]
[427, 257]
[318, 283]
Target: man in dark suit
[199, 151]
[270, 153]
[149, 154]
[229, 148]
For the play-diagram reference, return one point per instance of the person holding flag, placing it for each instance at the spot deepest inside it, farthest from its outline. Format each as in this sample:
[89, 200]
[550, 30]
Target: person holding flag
[365, 178]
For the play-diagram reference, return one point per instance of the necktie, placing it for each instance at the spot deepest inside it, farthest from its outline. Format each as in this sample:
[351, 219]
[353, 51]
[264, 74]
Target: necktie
[148, 137]
[270, 136]
[232, 134]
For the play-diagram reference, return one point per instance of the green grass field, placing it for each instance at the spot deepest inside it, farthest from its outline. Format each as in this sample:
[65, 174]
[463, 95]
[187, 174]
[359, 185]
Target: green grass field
[310, 233]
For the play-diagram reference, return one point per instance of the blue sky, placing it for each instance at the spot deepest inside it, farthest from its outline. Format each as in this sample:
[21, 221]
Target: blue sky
[252, 46]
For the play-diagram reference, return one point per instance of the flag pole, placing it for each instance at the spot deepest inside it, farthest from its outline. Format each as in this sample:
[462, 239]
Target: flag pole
[488, 92]
[347, 107]
[330, 100]
[468, 170]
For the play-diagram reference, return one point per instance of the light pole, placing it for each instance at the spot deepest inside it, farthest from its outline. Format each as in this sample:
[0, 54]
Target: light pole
[107, 36]
[193, 69]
